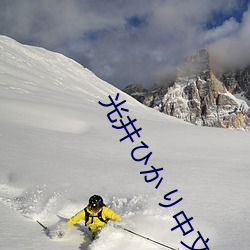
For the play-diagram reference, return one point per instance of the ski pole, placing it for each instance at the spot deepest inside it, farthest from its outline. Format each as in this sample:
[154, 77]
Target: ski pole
[148, 238]
[45, 228]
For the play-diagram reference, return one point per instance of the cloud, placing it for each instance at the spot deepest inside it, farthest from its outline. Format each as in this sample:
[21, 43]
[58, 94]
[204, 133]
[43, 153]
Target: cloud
[233, 48]
[125, 42]
[228, 28]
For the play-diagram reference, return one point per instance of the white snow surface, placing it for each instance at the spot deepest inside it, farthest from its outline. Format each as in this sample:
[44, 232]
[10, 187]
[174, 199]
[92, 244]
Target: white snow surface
[58, 148]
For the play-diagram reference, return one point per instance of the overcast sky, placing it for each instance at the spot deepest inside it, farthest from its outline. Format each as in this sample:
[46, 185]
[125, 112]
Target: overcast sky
[131, 41]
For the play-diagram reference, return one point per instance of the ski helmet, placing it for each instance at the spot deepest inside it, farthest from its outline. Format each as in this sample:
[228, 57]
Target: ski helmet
[95, 202]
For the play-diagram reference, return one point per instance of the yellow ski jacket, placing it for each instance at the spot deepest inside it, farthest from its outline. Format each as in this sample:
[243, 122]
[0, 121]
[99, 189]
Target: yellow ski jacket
[94, 223]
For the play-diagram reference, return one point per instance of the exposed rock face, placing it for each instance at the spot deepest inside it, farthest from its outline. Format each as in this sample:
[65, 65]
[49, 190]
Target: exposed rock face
[198, 96]
[137, 91]
[237, 81]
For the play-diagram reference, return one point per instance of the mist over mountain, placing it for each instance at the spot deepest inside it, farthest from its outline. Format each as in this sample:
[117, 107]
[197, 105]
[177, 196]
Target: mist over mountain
[203, 92]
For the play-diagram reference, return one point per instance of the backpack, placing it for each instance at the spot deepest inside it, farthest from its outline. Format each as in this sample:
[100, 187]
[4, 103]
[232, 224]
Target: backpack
[99, 216]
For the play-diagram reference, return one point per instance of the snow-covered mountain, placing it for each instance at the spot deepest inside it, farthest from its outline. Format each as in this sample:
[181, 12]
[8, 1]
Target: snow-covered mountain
[58, 147]
[201, 95]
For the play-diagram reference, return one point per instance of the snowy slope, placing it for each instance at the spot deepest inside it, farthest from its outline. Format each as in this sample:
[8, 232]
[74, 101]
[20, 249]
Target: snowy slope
[58, 148]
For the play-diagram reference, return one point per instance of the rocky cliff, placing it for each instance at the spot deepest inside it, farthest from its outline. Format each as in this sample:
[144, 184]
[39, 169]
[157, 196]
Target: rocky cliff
[201, 96]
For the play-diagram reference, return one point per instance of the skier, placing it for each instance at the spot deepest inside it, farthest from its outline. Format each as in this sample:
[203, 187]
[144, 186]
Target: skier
[95, 214]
